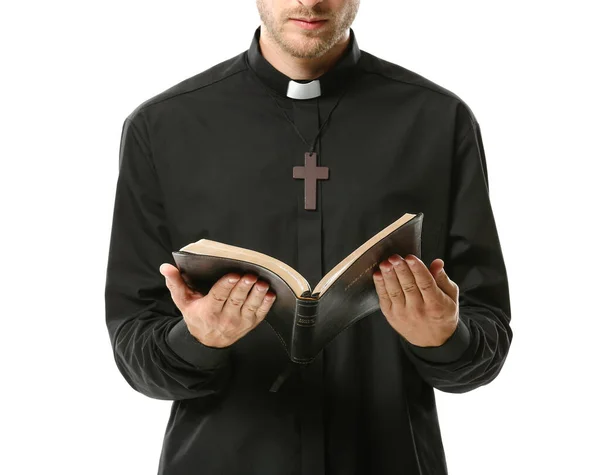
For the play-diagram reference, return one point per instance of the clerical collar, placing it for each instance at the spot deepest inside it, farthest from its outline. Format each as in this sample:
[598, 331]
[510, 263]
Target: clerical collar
[327, 83]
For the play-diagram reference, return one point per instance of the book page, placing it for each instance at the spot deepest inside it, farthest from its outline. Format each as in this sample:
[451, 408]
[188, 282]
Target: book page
[214, 248]
[339, 269]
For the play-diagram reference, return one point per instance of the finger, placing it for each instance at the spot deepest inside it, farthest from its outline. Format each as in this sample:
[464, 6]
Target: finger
[406, 279]
[237, 297]
[168, 270]
[392, 285]
[443, 281]
[423, 278]
[180, 292]
[220, 291]
[254, 301]
[266, 305]
[384, 299]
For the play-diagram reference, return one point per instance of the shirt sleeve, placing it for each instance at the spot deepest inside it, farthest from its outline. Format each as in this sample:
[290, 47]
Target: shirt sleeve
[475, 353]
[152, 346]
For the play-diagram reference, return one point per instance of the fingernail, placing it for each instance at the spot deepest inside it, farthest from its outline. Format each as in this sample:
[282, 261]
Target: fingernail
[396, 259]
[233, 280]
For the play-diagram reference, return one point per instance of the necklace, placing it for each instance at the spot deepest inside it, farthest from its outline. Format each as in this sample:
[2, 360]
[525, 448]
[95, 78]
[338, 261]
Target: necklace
[310, 172]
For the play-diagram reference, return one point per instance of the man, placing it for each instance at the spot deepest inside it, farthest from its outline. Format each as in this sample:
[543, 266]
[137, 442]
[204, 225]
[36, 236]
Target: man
[217, 156]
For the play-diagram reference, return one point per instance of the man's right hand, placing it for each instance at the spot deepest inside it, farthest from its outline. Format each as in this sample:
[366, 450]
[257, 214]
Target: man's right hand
[227, 313]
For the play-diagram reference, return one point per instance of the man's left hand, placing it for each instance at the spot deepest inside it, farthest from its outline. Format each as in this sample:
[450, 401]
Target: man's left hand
[419, 303]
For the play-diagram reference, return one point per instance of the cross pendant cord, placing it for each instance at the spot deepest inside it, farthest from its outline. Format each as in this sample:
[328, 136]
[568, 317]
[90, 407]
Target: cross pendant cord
[311, 147]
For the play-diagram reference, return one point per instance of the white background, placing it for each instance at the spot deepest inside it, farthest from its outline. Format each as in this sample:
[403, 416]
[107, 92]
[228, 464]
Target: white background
[72, 71]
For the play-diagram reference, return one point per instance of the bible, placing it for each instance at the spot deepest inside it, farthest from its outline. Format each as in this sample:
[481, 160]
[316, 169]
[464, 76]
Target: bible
[306, 319]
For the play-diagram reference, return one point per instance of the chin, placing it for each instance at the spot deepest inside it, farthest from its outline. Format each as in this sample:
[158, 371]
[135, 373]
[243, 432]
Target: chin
[303, 45]
[307, 50]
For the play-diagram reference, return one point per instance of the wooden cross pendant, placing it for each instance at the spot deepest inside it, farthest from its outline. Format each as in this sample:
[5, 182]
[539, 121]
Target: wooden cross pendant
[310, 173]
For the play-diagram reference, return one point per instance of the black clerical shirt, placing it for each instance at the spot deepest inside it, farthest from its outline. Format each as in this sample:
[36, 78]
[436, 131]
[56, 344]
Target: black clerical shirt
[212, 157]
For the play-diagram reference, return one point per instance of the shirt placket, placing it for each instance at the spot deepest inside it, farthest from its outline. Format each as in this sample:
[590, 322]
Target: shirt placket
[310, 264]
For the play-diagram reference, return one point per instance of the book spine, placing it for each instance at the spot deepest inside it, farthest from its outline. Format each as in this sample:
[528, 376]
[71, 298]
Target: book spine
[304, 330]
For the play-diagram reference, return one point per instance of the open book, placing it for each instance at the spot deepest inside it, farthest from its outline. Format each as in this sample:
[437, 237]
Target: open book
[306, 319]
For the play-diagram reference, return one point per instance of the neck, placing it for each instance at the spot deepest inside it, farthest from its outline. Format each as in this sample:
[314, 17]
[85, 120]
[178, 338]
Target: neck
[300, 68]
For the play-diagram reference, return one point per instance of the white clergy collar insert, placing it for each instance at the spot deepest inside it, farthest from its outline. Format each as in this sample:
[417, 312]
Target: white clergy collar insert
[299, 90]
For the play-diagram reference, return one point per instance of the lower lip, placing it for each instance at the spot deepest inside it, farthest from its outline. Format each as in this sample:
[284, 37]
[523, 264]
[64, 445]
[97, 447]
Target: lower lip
[313, 25]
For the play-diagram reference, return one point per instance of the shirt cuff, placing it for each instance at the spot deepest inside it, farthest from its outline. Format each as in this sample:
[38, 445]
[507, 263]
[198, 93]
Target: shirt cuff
[450, 351]
[183, 343]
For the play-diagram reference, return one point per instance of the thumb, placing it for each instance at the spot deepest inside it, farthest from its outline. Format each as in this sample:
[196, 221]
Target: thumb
[442, 279]
[180, 292]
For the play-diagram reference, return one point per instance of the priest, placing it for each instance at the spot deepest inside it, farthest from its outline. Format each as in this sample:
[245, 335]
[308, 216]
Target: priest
[303, 147]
